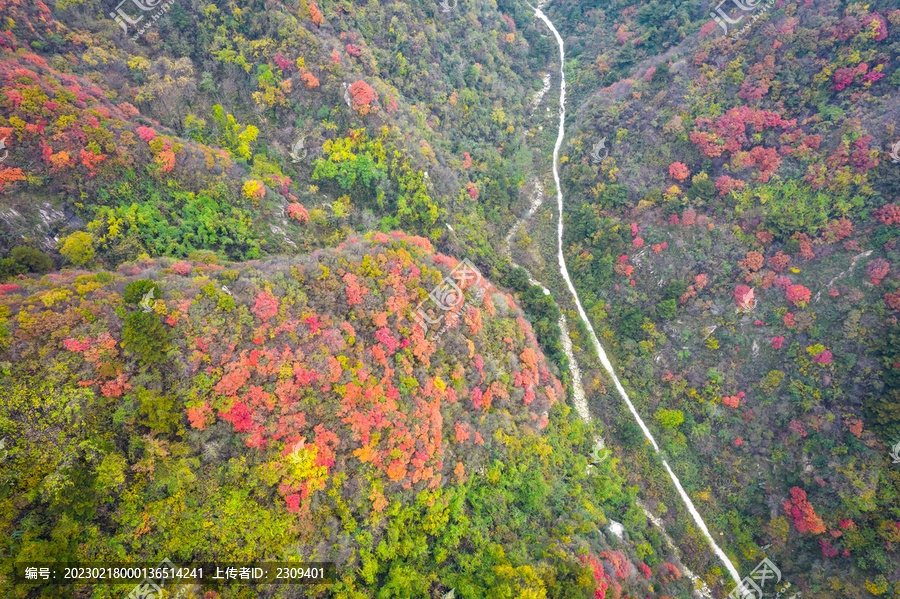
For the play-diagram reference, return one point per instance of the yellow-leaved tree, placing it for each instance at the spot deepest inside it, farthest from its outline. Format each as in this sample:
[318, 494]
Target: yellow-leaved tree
[78, 248]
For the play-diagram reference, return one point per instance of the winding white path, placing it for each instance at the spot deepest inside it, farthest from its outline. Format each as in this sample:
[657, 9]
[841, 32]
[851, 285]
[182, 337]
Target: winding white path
[580, 399]
[602, 354]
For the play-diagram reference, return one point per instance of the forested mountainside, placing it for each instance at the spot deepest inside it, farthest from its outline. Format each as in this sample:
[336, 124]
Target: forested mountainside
[291, 179]
[202, 111]
[736, 241]
[292, 408]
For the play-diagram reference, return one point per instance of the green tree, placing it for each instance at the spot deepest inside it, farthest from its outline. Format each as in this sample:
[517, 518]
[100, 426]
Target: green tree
[660, 77]
[136, 290]
[669, 418]
[111, 473]
[236, 137]
[630, 323]
[792, 247]
[614, 196]
[674, 289]
[667, 309]
[882, 407]
[144, 334]
[654, 196]
[158, 412]
[703, 190]
[25, 259]
[789, 208]
[33, 260]
[517, 279]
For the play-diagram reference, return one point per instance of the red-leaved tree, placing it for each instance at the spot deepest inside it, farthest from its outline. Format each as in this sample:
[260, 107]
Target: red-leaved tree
[805, 518]
[725, 185]
[798, 294]
[363, 96]
[297, 212]
[888, 215]
[877, 269]
[266, 306]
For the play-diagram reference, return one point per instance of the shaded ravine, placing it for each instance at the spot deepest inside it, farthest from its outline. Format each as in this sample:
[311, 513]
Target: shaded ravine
[579, 398]
[698, 520]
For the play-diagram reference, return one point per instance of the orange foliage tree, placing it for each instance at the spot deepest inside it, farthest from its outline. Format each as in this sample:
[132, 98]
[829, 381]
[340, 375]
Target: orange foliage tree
[315, 14]
[805, 518]
[679, 171]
